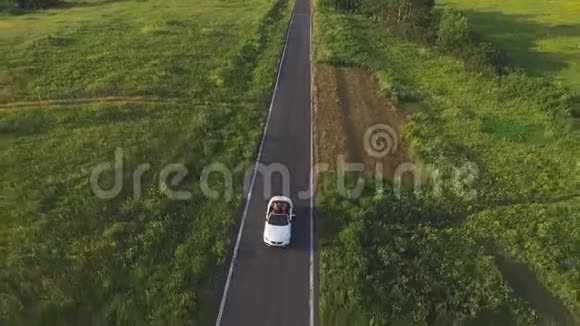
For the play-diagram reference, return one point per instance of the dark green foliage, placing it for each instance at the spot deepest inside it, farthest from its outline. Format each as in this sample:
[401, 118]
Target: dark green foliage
[345, 5]
[7, 6]
[452, 30]
[396, 89]
[405, 261]
[454, 36]
[397, 13]
[482, 55]
[34, 4]
[418, 20]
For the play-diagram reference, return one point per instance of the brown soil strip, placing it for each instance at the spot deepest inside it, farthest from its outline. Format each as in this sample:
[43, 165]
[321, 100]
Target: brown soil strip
[348, 103]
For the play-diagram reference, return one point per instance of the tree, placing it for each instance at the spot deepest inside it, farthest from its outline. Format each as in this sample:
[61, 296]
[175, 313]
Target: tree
[453, 31]
[398, 12]
[35, 4]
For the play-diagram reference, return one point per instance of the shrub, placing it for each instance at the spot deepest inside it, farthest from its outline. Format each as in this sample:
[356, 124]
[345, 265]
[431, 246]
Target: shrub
[34, 4]
[453, 30]
[344, 5]
[484, 55]
[574, 109]
[7, 6]
[455, 37]
[407, 14]
[394, 88]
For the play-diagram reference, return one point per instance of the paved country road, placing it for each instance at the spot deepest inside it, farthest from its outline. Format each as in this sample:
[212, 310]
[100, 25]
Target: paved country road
[271, 286]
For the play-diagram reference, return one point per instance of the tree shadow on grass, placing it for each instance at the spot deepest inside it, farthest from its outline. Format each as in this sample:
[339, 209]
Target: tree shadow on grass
[520, 35]
[526, 285]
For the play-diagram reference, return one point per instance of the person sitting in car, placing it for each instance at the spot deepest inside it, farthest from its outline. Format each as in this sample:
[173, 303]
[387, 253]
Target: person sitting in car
[276, 209]
[284, 208]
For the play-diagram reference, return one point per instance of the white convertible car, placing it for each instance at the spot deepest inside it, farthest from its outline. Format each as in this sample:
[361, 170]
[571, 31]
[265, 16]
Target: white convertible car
[278, 226]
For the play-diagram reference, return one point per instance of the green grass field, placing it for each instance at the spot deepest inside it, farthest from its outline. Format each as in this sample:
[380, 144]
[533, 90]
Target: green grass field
[541, 36]
[164, 81]
[437, 258]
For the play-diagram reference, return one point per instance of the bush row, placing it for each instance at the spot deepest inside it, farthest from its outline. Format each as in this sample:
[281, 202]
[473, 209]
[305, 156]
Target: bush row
[13, 6]
[448, 31]
[419, 20]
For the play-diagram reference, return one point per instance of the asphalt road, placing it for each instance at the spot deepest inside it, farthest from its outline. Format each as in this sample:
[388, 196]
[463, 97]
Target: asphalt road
[271, 286]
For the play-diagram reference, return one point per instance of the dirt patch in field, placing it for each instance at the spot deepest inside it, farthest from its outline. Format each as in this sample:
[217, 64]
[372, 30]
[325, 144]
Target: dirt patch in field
[356, 122]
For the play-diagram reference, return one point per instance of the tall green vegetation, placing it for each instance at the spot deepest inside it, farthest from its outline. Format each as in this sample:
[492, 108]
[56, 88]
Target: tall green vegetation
[410, 14]
[455, 37]
[406, 259]
[166, 81]
[19, 5]
[464, 104]
[419, 20]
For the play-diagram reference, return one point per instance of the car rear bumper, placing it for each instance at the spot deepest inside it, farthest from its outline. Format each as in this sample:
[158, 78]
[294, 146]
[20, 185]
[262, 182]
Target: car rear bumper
[276, 243]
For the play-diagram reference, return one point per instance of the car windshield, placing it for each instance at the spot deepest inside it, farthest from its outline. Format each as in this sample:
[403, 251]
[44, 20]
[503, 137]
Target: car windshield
[278, 219]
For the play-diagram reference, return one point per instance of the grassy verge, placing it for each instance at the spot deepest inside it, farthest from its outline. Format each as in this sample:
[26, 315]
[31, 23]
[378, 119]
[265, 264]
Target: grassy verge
[163, 81]
[391, 261]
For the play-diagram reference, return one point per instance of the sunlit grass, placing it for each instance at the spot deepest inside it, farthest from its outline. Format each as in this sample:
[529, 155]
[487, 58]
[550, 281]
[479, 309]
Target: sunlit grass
[146, 48]
[541, 36]
[166, 82]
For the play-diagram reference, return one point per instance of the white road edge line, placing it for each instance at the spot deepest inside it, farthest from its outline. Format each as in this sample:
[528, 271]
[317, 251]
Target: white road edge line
[249, 197]
[311, 263]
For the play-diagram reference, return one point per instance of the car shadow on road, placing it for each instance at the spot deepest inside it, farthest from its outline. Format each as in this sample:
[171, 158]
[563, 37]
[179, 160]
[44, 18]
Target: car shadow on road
[300, 240]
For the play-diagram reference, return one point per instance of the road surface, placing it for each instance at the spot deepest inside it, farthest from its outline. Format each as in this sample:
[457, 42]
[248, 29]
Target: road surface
[271, 286]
